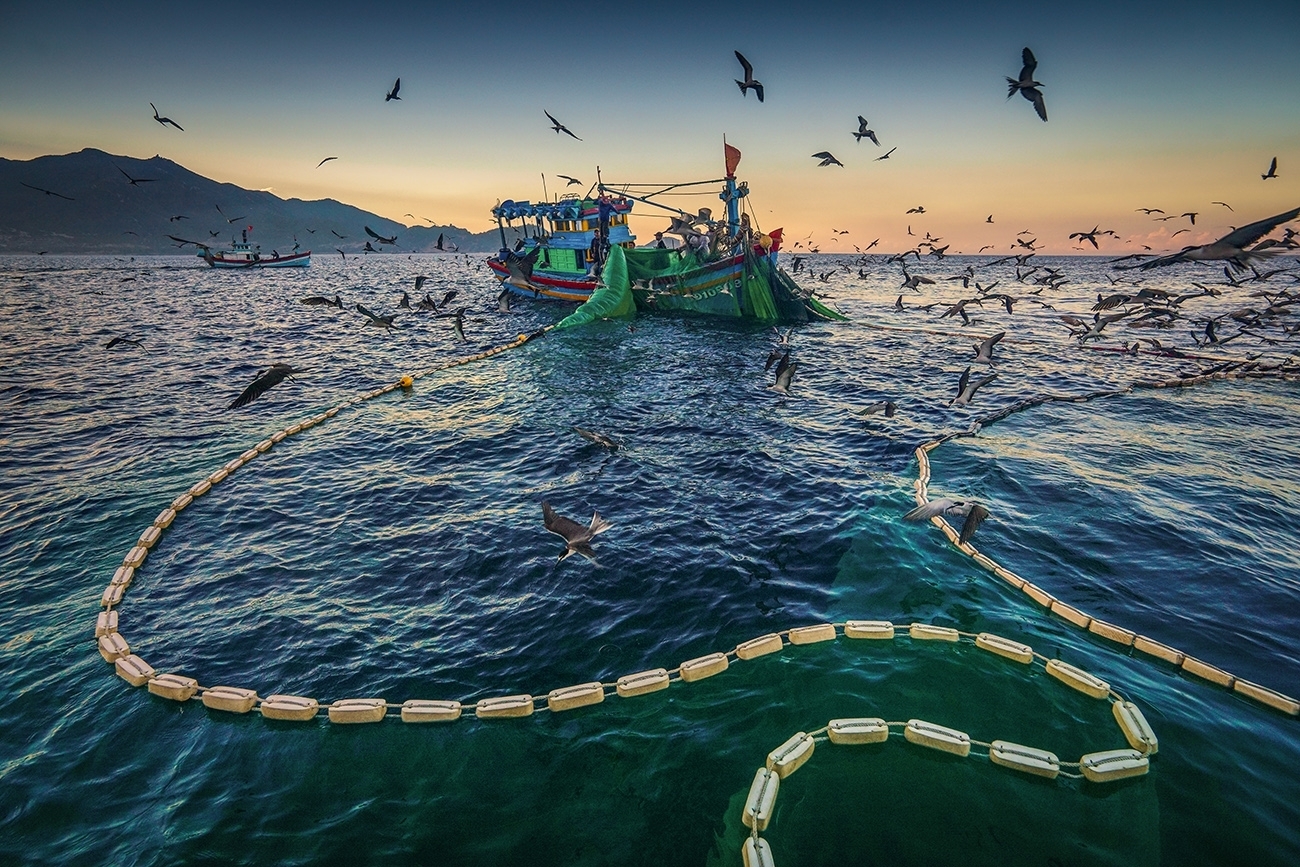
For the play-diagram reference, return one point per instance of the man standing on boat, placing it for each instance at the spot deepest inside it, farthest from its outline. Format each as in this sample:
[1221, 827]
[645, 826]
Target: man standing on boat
[597, 250]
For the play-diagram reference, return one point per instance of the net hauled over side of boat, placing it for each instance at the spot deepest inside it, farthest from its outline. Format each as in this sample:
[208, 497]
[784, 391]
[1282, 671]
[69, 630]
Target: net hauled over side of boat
[612, 298]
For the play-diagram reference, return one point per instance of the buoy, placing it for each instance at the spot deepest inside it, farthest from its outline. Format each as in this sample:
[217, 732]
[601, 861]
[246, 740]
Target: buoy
[135, 557]
[331, 412]
[112, 595]
[1205, 671]
[703, 666]
[756, 647]
[165, 518]
[112, 646]
[406, 381]
[812, 634]
[182, 501]
[200, 488]
[757, 853]
[1158, 650]
[278, 437]
[1010, 577]
[249, 455]
[862, 730]
[1113, 765]
[1004, 647]
[150, 536]
[350, 711]
[293, 429]
[123, 575]
[1111, 632]
[173, 686]
[294, 708]
[937, 737]
[1070, 613]
[926, 632]
[1038, 594]
[264, 446]
[762, 797]
[1077, 678]
[233, 465]
[1134, 725]
[133, 669]
[1029, 760]
[105, 623]
[504, 706]
[570, 697]
[790, 756]
[642, 682]
[425, 711]
[878, 629]
[219, 476]
[233, 699]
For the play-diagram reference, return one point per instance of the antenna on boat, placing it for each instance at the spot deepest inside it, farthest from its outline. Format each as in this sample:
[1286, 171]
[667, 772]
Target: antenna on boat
[546, 197]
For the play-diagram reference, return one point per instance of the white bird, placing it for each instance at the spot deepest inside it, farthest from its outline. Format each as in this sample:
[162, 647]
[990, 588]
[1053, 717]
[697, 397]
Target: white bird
[785, 369]
[577, 538]
[973, 512]
[966, 389]
[984, 352]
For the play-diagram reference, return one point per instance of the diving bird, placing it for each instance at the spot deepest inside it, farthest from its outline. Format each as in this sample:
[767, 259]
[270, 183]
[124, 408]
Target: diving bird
[276, 374]
[135, 181]
[886, 154]
[458, 325]
[1272, 170]
[503, 301]
[557, 126]
[785, 369]
[324, 161]
[577, 538]
[749, 81]
[321, 301]
[984, 351]
[863, 132]
[598, 438]
[571, 181]
[827, 159]
[164, 120]
[380, 238]
[392, 94]
[437, 246]
[966, 389]
[1026, 86]
[973, 512]
[48, 192]
[1231, 247]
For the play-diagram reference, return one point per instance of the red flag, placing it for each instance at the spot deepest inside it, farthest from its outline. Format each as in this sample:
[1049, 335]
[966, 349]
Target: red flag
[733, 159]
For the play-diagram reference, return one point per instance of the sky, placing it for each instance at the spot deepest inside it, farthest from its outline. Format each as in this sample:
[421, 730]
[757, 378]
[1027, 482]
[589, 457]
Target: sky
[1150, 105]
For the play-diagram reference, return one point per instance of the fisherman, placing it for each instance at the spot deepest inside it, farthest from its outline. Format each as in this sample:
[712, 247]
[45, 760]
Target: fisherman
[596, 252]
[659, 240]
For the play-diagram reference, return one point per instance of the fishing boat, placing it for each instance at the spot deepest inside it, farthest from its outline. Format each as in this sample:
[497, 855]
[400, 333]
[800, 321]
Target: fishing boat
[580, 249]
[243, 254]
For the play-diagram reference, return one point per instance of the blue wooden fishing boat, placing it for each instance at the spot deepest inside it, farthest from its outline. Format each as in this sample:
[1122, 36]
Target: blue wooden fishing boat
[580, 249]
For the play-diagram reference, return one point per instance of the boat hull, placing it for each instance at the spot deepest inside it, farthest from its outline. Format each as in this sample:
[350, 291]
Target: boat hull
[295, 260]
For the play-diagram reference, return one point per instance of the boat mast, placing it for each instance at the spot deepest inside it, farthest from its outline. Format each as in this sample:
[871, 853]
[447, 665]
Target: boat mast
[732, 192]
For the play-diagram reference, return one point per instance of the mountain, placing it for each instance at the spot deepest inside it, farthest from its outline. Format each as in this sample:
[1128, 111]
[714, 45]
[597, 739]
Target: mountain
[105, 213]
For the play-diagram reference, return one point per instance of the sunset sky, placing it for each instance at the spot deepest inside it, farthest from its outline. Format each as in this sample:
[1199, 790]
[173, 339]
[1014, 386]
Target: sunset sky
[1162, 105]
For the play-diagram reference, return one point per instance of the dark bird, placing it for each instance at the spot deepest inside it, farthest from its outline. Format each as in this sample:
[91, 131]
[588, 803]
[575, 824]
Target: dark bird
[974, 514]
[321, 301]
[181, 242]
[748, 72]
[557, 126]
[886, 155]
[1231, 247]
[324, 161]
[229, 219]
[135, 181]
[458, 325]
[177, 218]
[374, 318]
[966, 389]
[785, 369]
[275, 375]
[392, 94]
[990, 219]
[1225, 204]
[118, 341]
[1191, 215]
[380, 238]
[598, 438]
[437, 246]
[48, 192]
[405, 303]
[827, 159]
[887, 406]
[1149, 211]
[577, 538]
[571, 181]
[1026, 86]
[1272, 170]
[164, 120]
[341, 253]
[863, 132]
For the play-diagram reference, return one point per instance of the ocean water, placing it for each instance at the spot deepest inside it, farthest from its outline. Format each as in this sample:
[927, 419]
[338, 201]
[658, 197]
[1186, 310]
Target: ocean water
[397, 551]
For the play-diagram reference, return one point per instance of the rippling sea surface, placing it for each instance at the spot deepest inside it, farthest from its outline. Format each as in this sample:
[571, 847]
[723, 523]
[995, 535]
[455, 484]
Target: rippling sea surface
[397, 551]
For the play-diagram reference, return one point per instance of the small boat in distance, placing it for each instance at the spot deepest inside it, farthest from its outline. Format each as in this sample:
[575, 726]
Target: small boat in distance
[580, 249]
[242, 254]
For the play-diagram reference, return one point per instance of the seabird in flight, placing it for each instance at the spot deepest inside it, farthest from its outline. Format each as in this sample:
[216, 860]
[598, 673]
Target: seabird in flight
[1026, 86]
[577, 538]
[973, 512]
[276, 374]
[749, 78]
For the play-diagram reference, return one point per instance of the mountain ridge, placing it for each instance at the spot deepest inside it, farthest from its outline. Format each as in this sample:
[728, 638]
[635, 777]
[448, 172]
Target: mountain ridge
[84, 202]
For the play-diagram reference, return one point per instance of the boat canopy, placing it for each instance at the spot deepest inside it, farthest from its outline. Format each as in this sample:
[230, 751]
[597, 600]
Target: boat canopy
[564, 209]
